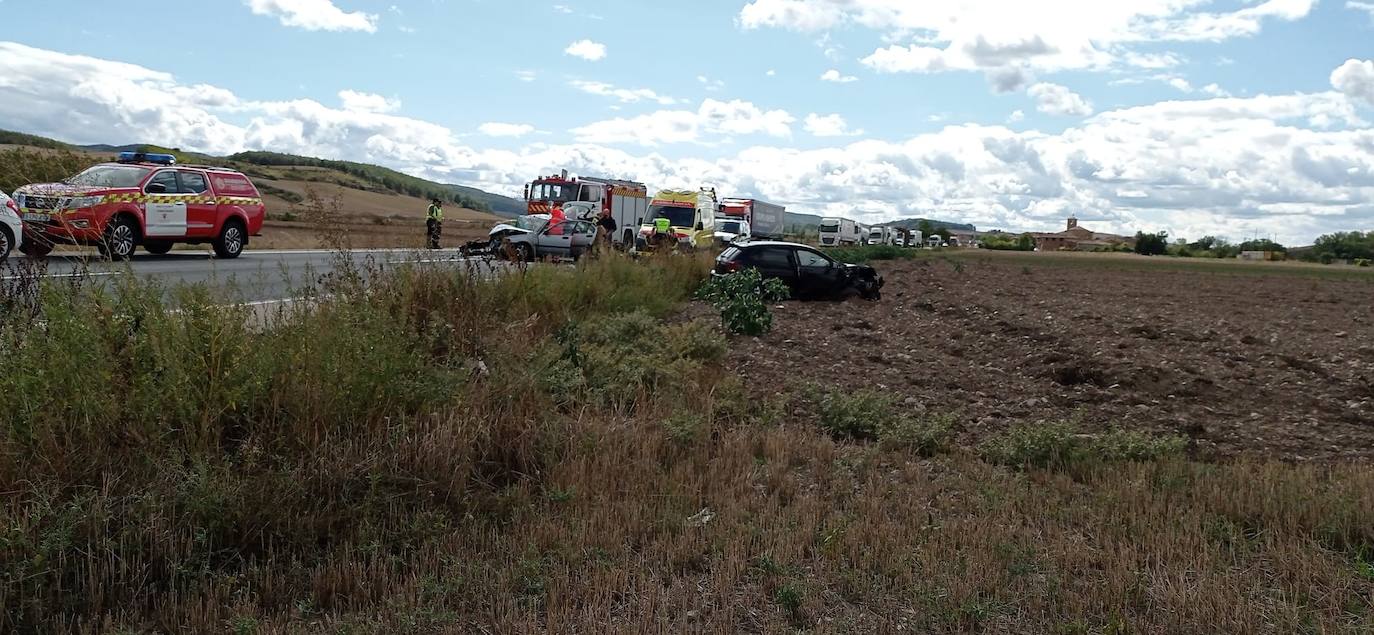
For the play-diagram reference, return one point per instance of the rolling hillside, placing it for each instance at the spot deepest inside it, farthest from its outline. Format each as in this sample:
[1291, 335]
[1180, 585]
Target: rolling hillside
[372, 205]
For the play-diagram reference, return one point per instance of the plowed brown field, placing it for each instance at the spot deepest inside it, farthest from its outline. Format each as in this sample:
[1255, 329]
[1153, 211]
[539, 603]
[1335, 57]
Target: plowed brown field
[1274, 360]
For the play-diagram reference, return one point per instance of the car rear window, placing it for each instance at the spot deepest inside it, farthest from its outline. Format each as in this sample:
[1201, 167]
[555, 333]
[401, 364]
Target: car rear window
[233, 185]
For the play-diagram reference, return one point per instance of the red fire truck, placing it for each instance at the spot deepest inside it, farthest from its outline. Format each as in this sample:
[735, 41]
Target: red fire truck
[143, 199]
[627, 201]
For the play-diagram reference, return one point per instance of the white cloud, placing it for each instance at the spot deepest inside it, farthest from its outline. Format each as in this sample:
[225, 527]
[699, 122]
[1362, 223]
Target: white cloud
[829, 126]
[494, 129]
[623, 95]
[1214, 90]
[367, 102]
[563, 8]
[587, 50]
[711, 85]
[526, 76]
[1179, 83]
[771, 72]
[1152, 61]
[314, 15]
[980, 35]
[1053, 99]
[833, 75]
[712, 120]
[1367, 7]
[1016, 116]
[1356, 79]
[1295, 165]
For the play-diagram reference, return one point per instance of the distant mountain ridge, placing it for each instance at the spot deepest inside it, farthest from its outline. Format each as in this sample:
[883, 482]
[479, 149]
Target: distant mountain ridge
[915, 223]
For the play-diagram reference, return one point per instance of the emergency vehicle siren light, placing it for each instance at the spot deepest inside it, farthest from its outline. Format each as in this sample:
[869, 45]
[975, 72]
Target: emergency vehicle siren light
[143, 157]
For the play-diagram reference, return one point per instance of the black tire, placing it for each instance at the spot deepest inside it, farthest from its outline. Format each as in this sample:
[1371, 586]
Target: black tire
[231, 240]
[524, 252]
[157, 248]
[6, 242]
[36, 248]
[120, 240]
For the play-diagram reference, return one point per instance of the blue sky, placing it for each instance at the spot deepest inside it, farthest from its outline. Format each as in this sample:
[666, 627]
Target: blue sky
[1231, 117]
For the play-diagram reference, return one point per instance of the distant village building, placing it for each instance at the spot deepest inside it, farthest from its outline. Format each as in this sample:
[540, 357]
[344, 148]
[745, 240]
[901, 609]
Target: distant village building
[1077, 238]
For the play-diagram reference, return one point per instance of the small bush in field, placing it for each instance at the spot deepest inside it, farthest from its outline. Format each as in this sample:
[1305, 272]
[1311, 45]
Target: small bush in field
[925, 436]
[789, 597]
[1131, 445]
[1060, 446]
[684, 428]
[1048, 446]
[742, 299]
[861, 414]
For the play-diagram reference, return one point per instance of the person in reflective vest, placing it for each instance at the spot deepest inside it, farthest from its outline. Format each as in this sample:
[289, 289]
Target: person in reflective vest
[434, 223]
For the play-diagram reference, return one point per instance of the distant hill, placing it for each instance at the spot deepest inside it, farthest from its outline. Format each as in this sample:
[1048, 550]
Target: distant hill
[495, 203]
[914, 223]
[810, 220]
[9, 138]
[374, 175]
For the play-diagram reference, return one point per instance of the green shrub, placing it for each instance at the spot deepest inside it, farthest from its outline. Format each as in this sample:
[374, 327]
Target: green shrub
[1046, 446]
[924, 436]
[616, 360]
[742, 299]
[1059, 446]
[684, 428]
[1133, 445]
[860, 414]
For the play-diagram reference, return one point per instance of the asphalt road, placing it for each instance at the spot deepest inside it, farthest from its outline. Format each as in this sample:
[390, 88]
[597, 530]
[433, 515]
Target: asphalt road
[259, 277]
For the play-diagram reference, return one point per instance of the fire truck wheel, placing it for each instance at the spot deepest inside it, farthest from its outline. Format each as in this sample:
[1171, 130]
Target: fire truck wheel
[36, 248]
[231, 240]
[121, 237]
[157, 248]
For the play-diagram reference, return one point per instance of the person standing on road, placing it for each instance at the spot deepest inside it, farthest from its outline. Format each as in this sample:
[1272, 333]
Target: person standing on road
[434, 223]
[606, 225]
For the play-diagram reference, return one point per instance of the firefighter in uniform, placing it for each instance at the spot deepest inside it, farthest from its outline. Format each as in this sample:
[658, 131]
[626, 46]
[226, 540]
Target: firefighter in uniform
[434, 223]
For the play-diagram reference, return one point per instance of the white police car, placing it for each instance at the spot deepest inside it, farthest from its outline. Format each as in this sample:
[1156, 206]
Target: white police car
[11, 228]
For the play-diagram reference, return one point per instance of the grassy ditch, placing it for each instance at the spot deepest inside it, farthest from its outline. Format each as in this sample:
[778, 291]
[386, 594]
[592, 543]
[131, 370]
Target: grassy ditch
[561, 450]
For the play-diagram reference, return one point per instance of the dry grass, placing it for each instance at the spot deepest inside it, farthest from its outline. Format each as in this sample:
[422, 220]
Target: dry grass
[355, 470]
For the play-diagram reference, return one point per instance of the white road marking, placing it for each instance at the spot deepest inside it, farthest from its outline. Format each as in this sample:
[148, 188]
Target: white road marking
[89, 274]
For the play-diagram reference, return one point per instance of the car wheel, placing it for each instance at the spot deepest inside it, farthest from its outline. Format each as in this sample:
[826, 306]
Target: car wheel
[36, 248]
[524, 252]
[157, 248]
[231, 241]
[121, 238]
[6, 242]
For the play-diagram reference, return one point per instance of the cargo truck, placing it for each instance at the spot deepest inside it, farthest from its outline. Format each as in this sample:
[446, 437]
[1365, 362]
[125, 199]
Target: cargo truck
[766, 221]
[838, 232]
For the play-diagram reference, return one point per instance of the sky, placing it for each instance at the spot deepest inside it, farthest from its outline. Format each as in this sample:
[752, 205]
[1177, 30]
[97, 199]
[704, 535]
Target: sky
[1234, 118]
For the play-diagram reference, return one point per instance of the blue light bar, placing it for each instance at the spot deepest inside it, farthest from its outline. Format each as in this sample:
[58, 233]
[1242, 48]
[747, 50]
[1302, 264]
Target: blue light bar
[143, 157]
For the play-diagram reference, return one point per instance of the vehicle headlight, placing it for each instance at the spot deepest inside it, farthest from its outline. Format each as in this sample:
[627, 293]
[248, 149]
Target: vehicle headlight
[81, 202]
